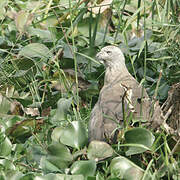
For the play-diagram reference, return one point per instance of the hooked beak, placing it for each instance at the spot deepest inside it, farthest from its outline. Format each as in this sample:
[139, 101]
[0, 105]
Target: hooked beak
[98, 57]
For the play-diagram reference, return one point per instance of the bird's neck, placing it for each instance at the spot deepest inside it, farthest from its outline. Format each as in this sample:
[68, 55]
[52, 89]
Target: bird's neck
[115, 71]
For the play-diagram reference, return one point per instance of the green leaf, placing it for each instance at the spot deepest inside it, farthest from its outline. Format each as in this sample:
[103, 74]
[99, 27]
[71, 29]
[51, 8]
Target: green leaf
[7, 164]
[14, 175]
[48, 166]
[125, 169]
[141, 138]
[60, 151]
[86, 168]
[4, 104]
[56, 134]
[62, 109]
[83, 26]
[58, 158]
[98, 150]
[46, 35]
[5, 147]
[53, 176]
[3, 3]
[35, 153]
[35, 50]
[67, 50]
[100, 37]
[74, 135]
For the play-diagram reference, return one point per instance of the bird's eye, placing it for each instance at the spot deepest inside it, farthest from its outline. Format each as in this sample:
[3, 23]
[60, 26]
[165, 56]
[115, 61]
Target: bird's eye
[108, 52]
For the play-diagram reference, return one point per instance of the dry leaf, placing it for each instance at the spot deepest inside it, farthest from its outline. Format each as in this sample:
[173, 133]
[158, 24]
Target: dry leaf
[22, 20]
[100, 7]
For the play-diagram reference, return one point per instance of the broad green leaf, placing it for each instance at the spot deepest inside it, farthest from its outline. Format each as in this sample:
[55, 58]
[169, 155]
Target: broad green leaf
[50, 21]
[5, 147]
[7, 164]
[67, 50]
[46, 35]
[14, 175]
[60, 151]
[100, 37]
[74, 135]
[133, 174]
[141, 138]
[122, 167]
[83, 26]
[56, 134]
[58, 158]
[86, 168]
[88, 55]
[4, 104]
[35, 50]
[35, 153]
[98, 150]
[53, 176]
[3, 3]
[48, 166]
[62, 109]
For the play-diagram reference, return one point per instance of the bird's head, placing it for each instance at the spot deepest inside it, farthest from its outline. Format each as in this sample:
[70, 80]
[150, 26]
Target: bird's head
[111, 56]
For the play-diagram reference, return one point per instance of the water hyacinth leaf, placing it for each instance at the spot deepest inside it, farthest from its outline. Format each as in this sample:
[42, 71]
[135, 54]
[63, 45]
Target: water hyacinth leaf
[35, 50]
[46, 35]
[100, 38]
[86, 168]
[36, 153]
[62, 109]
[60, 151]
[58, 158]
[5, 147]
[5, 104]
[139, 139]
[3, 3]
[7, 164]
[98, 150]
[48, 166]
[53, 176]
[83, 26]
[13, 175]
[56, 134]
[67, 50]
[88, 55]
[121, 167]
[74, 135]
[133, 174]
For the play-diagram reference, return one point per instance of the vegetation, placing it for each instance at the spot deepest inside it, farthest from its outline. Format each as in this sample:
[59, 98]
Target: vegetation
[50, 80]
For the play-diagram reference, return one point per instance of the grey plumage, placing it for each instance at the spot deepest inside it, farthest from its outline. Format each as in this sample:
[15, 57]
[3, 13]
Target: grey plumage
[120, 91]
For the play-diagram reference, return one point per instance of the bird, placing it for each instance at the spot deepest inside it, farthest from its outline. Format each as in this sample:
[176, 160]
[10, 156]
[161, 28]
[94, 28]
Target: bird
[120, 99]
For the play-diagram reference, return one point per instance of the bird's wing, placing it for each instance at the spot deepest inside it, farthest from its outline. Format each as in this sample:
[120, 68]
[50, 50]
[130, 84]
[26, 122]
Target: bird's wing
[96, 126]
[125, 92]
[138, 99]
[117, 101]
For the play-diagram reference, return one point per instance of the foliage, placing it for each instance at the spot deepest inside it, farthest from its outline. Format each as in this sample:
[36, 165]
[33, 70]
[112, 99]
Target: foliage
[50, 81]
